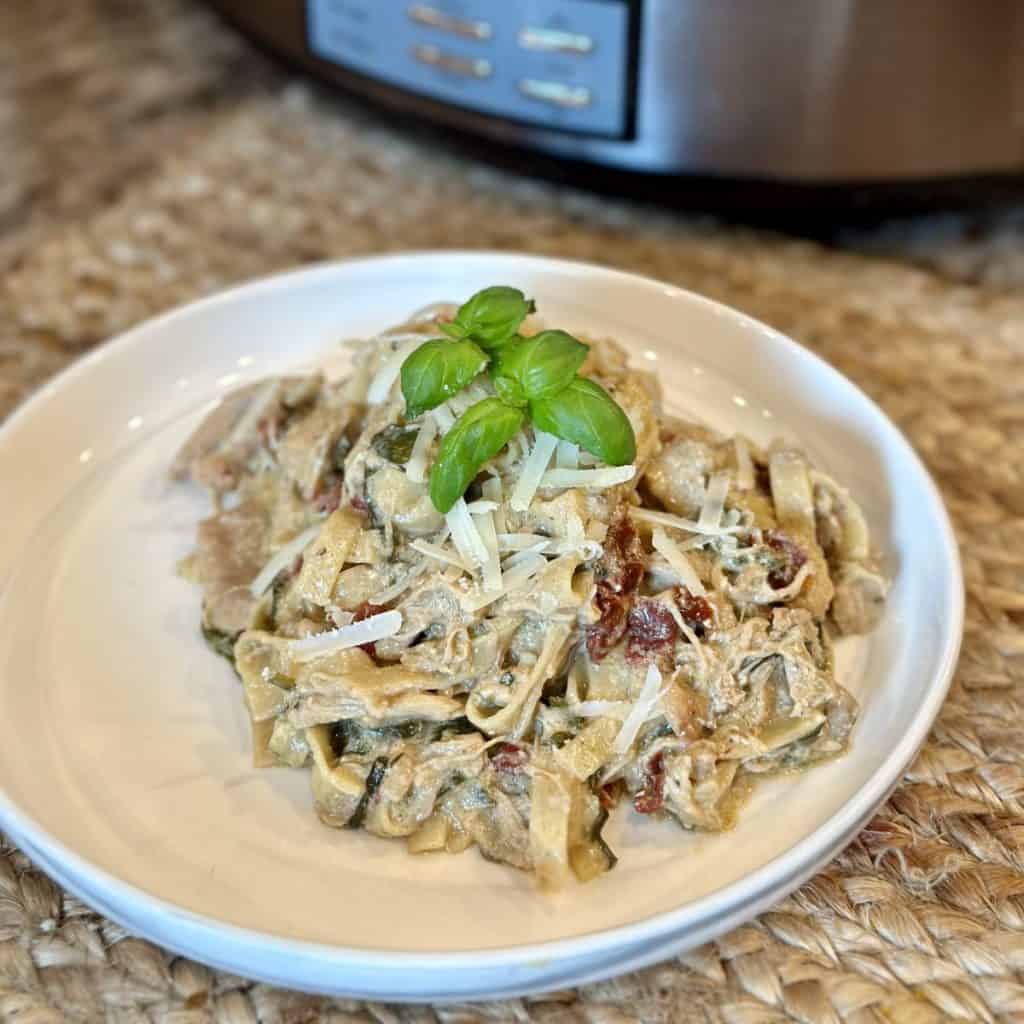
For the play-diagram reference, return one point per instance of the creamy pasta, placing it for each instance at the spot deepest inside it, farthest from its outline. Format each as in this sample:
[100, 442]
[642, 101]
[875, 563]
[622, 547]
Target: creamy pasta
[569, 638]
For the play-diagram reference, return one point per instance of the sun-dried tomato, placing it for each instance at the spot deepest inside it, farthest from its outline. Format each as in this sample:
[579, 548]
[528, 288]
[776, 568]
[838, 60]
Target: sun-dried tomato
[622, 567]
[696, 611]
[611, 626]
[366, 609]
[650, 630]
[651, 798]
[793, 558]
[630, 577]
[619, 574]
[359, 504]
[508, 757]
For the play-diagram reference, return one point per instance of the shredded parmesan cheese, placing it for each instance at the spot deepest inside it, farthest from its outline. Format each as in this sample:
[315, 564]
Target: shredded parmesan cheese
[465, 535]
[688, 632]
[439, 553]
[533, 469]
[416, 467]
[478, 508]
[512, 542]
[282, 559]
[524, 571]
[516, 449]
[714, 502]
[646, 701]
[600, 708]
[443, 417]
[526, 554]
[519, 541]
[647, 515]
[606, 476]
[567, 455]
[380, 386]
[513, 579]
[492, 567]
[467, 398]
[677, 559]
[376, 627]
[492, 491]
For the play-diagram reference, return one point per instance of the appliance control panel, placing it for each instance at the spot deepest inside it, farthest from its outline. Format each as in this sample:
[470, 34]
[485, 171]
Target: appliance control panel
[558, 63]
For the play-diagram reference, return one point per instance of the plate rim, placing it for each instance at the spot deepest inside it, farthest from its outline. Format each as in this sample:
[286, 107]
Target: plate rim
[775, 876]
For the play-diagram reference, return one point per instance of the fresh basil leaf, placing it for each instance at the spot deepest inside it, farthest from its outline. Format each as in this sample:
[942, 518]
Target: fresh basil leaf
[452, 330]
[509, 391]
[544, 364]
[587, 415]
[438, 370]
[492, 316]
[478, 435]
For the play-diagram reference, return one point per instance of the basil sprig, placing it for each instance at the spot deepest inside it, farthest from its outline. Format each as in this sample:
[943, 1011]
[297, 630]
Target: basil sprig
[533, 377]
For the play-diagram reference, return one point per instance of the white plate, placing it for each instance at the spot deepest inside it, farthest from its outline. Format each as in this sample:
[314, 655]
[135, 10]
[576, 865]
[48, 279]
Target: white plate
[124, 756]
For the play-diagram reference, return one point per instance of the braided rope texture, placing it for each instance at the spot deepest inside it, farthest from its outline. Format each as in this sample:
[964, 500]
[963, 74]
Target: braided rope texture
[921, 919]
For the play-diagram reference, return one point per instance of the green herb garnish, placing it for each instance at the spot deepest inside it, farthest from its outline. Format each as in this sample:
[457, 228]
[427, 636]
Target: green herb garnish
[535, 378]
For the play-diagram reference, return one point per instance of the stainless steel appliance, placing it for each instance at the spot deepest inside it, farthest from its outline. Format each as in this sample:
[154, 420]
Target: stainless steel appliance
[805, 92]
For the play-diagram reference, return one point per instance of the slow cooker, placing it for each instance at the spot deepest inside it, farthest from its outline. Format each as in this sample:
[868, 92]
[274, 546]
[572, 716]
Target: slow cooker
[792, 92]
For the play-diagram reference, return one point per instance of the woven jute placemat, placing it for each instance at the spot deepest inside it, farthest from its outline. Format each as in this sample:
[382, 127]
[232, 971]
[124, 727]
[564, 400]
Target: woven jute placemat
[922, 918]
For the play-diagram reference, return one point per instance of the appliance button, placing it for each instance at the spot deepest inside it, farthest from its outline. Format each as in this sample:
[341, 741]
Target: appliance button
[554, 40]
[556, 94]
[466, 67]
[422, 14]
